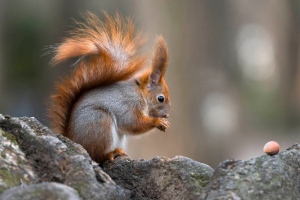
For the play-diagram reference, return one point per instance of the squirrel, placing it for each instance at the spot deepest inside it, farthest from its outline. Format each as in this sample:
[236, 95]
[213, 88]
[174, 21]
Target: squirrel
[110, 94]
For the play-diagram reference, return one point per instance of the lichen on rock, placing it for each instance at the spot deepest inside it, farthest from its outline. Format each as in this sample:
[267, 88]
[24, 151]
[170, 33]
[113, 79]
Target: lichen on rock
[14, 167]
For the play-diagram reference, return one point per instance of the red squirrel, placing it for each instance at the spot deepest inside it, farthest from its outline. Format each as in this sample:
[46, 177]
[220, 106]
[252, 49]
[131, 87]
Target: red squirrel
[109, 94]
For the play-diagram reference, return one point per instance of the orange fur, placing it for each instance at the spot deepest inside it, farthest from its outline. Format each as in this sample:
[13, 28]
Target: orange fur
[107, 54]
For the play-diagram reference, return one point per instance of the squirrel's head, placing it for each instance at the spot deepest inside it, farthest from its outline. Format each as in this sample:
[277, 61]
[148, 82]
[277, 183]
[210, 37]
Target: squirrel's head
[158, 99]
[154, 84]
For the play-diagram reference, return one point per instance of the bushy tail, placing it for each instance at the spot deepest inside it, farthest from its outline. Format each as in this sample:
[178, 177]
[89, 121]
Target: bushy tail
[106, 53]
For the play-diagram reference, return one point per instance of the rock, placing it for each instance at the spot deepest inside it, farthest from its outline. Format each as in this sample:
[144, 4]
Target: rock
[43, 157]
[160, 178]
[41, 161]
[38, 164]
[15, 169]
[40, 191]
[264, 177]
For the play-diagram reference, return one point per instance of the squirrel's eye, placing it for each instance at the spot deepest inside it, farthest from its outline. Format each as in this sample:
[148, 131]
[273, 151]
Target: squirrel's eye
[160, 98]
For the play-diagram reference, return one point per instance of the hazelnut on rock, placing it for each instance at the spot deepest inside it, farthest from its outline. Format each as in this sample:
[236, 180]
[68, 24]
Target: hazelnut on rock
[271, 148]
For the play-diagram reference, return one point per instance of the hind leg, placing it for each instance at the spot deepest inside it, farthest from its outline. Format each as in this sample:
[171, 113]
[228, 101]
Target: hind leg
[91, 128]
[96, 131]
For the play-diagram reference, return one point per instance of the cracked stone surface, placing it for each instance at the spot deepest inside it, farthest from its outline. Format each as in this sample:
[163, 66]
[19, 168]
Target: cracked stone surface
[36, 163]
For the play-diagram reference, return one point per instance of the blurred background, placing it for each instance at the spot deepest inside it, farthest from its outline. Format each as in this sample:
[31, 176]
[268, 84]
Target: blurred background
[234, 71]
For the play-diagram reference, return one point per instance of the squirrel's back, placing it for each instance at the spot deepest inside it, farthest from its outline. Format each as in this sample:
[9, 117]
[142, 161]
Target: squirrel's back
[106, 53]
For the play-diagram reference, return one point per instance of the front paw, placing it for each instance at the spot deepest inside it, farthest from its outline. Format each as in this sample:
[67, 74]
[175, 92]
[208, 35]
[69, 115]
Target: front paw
[162, 124]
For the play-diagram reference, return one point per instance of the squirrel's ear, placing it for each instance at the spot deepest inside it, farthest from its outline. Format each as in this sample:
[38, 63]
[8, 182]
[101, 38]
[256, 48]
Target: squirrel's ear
[159, 61]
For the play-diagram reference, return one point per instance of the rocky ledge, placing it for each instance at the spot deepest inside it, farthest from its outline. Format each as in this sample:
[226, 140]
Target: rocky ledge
[38, 164]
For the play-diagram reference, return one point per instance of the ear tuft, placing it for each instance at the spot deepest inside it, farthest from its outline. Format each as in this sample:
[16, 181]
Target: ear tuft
[159, 61]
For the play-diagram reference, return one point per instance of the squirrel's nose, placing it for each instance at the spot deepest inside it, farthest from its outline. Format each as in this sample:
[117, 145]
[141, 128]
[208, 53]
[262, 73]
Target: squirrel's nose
[166, 116]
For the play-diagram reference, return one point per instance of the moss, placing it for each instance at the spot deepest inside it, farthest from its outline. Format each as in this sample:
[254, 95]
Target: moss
[167, 180]
[9, 179]
[9, 136]
[200, 180]
[20, 161]
[259, 162]
[80, 187]
[3, 155]
[71, 149]
[275, 182]
[242, 185]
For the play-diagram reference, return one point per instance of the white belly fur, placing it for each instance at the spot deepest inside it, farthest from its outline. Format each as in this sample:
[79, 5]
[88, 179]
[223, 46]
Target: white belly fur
[118, 139]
